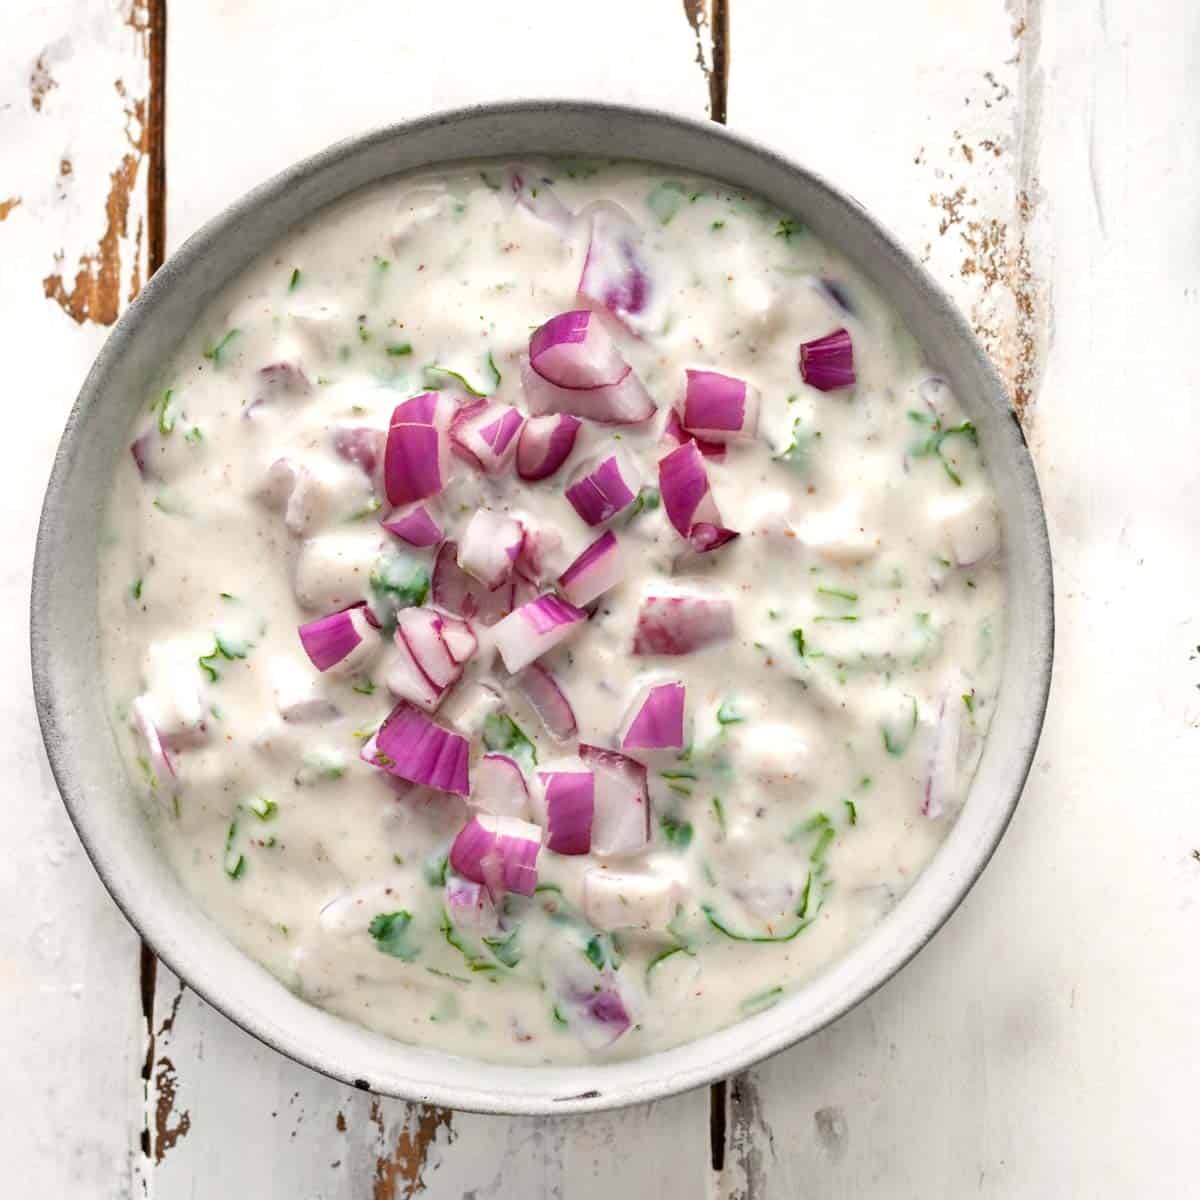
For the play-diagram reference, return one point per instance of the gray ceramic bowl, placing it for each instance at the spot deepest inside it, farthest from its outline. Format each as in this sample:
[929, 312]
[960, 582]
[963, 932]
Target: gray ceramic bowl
[75, 724]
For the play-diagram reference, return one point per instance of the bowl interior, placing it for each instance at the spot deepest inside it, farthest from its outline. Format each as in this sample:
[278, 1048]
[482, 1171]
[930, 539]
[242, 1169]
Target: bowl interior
[75, 725]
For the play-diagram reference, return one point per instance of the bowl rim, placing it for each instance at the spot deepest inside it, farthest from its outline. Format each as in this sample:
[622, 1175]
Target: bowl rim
[645, 1084]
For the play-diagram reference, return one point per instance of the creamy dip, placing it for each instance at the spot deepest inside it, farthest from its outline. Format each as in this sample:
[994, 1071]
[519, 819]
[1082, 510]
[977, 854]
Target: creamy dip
[477, 698]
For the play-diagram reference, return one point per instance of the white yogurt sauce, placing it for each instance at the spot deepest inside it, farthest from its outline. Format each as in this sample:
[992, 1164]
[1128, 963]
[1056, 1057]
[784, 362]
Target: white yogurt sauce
[829, 741]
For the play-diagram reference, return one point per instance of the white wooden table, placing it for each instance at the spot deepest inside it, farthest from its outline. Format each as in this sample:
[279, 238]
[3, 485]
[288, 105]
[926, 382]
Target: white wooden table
[1043, 157]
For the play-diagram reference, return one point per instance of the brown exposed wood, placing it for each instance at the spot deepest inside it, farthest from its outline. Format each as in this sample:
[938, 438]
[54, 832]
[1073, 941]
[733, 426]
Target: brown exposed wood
[156, 181]
[40, 82]
[95, 292]
[6, 206]
[400, 1171]
[169, 1126]
[709, 20]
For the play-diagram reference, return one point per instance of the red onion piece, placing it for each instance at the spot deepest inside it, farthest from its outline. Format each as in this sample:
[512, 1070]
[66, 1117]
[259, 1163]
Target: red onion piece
[600, 567]
[362, 446]
[328, 640]
[676, 625]
[538, 197]
[683, 482]
[140, 449]
[614, 274]
[539, 549]
[534, 628]
[276, 380]
[656, 719]
[458, 637]
[470, 906]
[545, 443]
[624, 403]
[675, 433]
[574, 350]
[432, 649]
[415, 462]
[414, 525]
[486, 434]
[603, 488]
[549, 701]
[622, 802]
[411, 746]
[719, 407]
[827, 363]
[500, 787]
[491, 544]
[941, 784]
[162, 767]
[455, 591]
[570, 807]
[499, 852]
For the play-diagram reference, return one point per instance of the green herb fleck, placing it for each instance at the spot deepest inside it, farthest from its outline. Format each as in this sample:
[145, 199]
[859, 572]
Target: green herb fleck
[838, 594]
[437, 377]
[968, 699]
[798, 638]
[398, 581]
[135, 588]
[399, 350]
[364, 687]
[719, 812]
[497, 378]
[434, 869]
[194, 436]
[727, 714]
[851, 811]
[294, 282]
[716, 921]
[666, 200]
[390, 931]
[678, 833]
[505, 948]
[788, 228]
[503, 735]
[321, 764]
[761, 1001]
[648, 499]
[166, 413]
[717, 225]
[262, 807]
[895, 742]
[214, 352]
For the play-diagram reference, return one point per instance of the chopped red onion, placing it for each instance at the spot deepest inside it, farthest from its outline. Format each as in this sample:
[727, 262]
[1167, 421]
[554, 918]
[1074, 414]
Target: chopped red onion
[677, 625]
[414, 525]
[941, 783]
[827, 363]
[457, 592]
[574, 350]
[541, 547]
[162, 768]
[597, 569]
[470, 906]
[614, 274]
[498, 852]
[362, 446]
[486, 434]
[500, 787]
[411, 746]
[655, 721]
[545, 443]
[623, 403]
[432, 649]
[534, 628]
[549, 701]
[415, 462]
[458, 637]
[676, 435]
[570, 806]
[719, 407]
[537, 196]
[603, 488]
[690, 506]
[491, 544]
[621, 824]
[284, 379]
[328, 640]
[140, 449]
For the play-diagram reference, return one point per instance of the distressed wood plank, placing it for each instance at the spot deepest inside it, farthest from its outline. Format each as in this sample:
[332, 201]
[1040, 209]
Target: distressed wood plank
[284, 1131]
[74, 87]
[1045, 1043]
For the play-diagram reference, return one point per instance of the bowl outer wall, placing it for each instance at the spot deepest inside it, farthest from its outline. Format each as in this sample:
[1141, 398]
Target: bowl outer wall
[65, 636]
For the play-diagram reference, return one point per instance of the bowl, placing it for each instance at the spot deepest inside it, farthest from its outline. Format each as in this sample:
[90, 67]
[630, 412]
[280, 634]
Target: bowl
[65, 634]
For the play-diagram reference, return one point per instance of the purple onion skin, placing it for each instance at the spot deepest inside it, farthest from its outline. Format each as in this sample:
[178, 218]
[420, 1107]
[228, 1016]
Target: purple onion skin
[827, 363]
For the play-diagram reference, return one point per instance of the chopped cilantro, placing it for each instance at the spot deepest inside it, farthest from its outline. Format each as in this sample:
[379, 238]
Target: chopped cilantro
[788, 228]
[678, 833]
[214, 352]
[434, 869]
[851, 811]
[798, 638]
[505, 948]
[400, 350]
[895, 742]
[294, 282]
[727, 714]
[135, 588]
[503, 735]
[262, 807]
[390, 931]
[364, 687]
[166, 412]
